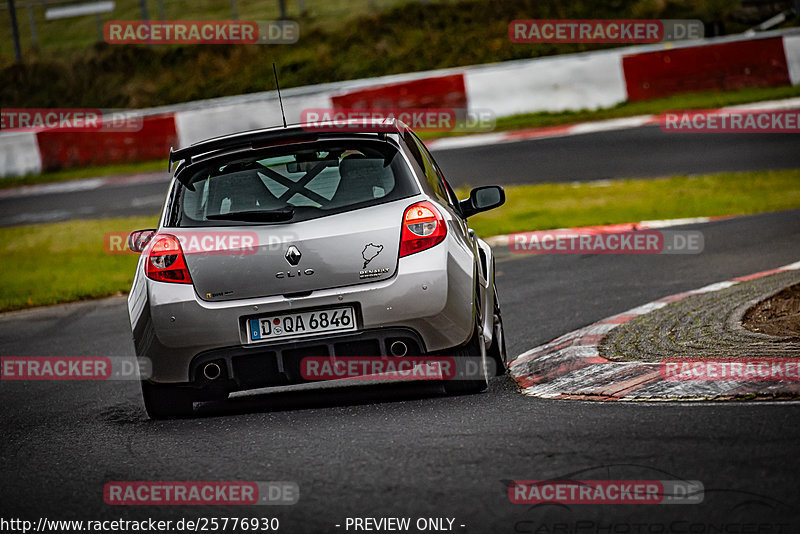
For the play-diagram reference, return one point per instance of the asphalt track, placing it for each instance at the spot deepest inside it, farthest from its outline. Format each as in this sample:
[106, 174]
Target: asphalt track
[633, 153]
[406, 450]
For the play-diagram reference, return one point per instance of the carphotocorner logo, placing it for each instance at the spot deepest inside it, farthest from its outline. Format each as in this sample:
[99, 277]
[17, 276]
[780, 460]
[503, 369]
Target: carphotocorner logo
[731, 121]
[201, 32]
[217, 493]
[600, 241]
[418, 119]
[604, 31]
[68, 120]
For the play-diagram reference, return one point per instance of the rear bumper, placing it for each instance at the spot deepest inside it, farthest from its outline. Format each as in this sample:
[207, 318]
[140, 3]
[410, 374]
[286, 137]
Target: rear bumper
[279, 364]
[172, 326]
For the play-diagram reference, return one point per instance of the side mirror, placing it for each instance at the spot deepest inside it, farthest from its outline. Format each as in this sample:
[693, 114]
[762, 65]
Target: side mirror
[138, 240]
[482, 199]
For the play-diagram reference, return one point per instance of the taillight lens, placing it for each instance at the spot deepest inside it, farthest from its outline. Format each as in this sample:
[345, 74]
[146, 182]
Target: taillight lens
[165, 261]
[423, 227]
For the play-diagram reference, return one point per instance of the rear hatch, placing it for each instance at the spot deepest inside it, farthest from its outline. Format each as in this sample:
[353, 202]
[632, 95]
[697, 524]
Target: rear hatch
[297, 217]
[349, 248]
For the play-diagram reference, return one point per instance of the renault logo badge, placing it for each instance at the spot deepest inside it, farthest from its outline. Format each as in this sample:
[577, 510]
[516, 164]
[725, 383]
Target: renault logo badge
[293, 255]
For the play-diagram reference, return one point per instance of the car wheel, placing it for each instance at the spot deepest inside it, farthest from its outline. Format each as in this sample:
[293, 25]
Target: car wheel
[162, 401]
[470, 361]
[497, 350]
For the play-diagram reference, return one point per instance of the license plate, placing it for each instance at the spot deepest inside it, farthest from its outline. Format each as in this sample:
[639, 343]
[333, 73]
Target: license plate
[300, 324]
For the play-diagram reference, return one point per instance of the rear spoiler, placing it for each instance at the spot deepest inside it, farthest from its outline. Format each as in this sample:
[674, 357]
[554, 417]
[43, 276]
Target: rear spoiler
[258, 139]
[242, 140]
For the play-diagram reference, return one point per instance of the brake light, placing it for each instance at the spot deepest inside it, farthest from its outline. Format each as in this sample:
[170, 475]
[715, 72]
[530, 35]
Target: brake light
[165, 261]
[423, 227]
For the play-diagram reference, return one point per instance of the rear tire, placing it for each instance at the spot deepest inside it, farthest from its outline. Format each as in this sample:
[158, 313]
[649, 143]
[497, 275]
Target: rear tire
[466, 358]
[163, 401]
[497, 350]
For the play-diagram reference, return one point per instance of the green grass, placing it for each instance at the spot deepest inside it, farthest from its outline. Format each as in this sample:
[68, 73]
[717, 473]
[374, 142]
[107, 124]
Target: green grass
[62, 262]
[547, 206]
[339, 40]
[78, 32]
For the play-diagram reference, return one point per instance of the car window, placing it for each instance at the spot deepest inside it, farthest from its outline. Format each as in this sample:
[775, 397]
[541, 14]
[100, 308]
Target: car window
[423, 158]
[315, 182]
[433, 173]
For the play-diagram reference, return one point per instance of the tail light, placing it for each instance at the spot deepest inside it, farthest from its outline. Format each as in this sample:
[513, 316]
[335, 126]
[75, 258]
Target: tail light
[423, 227]
[165, 261]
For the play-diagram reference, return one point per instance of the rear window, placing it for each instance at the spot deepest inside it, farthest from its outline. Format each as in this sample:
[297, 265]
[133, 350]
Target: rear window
[297, 182]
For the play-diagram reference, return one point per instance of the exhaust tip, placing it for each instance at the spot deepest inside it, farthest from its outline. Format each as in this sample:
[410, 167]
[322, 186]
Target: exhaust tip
[398, 348]
[212, 371]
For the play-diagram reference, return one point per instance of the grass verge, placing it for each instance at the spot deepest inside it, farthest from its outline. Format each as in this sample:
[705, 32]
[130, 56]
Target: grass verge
[62, 262]
[547, 206]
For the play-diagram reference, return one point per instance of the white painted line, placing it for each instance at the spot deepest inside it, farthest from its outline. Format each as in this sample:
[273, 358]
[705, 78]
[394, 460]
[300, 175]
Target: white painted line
[666, 223]
[40, 217]
[465, 141]
[713, 287]
[646, 308]
[154, 200]
[624, 123]
[71, 186]
[788, 103]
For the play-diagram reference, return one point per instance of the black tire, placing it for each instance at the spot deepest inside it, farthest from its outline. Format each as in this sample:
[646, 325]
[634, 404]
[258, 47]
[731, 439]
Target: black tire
[163, 401]
[465, 358]
[497, 350]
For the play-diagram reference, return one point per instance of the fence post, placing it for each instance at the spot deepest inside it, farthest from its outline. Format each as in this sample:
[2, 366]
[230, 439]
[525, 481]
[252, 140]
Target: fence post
[12, 12]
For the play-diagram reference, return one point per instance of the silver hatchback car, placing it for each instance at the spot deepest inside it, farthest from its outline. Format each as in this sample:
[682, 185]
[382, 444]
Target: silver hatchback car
[287, 244]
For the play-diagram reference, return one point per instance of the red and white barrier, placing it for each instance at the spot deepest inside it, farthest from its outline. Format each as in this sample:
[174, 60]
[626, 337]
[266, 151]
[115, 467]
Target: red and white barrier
[578, 81]
[724, 66]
